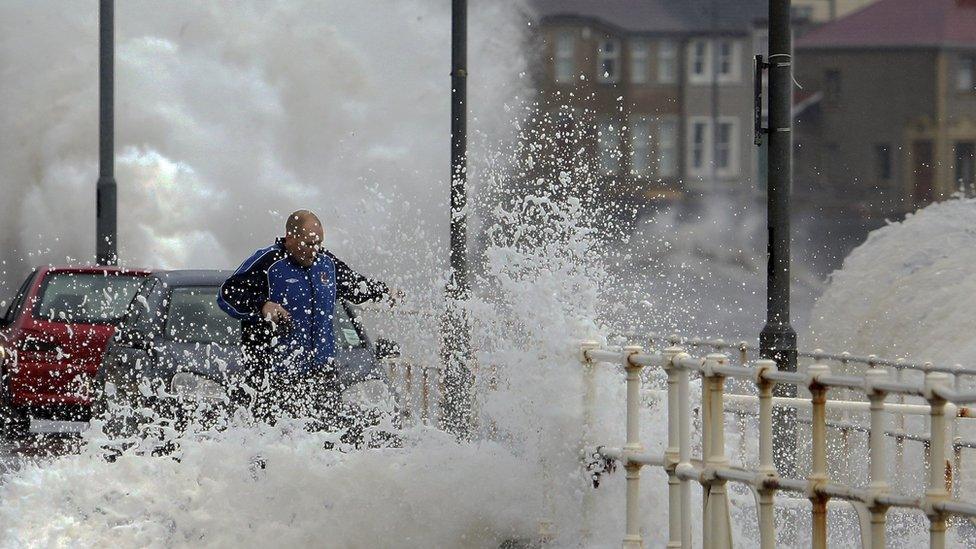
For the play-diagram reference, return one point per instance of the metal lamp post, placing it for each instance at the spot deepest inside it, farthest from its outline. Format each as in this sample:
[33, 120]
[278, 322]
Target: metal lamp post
[778, 339]
[106, 236]
[456, 335]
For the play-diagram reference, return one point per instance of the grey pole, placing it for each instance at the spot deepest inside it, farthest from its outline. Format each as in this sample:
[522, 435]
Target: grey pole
[778, 339]
[457, 377]
[106, 252]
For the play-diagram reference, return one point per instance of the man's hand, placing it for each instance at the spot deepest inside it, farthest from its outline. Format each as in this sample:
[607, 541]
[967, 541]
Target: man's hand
[272, 312]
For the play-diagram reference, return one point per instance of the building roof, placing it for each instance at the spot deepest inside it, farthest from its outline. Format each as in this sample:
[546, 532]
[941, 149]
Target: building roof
[665, 16]
[899, 23]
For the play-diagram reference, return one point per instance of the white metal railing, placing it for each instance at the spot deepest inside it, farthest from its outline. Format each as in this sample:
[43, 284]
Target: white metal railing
[712, 469]
[417, 387]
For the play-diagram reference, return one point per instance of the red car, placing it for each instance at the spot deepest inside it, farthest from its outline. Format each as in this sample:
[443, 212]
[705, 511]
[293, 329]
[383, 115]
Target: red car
[52, 338]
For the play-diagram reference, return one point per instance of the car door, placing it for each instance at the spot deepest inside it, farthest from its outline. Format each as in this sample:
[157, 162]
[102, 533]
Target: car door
[198, 337]
[133, 349]
[355, 358]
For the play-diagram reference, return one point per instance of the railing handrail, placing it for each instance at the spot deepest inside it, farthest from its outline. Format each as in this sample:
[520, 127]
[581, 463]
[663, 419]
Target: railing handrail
[720, 344]
[713, 470]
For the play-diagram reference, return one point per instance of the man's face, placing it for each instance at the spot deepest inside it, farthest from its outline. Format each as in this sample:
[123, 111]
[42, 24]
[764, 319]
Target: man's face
[305, 243]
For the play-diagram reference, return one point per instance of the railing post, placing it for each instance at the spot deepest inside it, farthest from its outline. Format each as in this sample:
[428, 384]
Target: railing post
[673, 452]
[408, 388]
[684, 445]
[767, 468]
[717, 528]
[632, 538]
[955, 480]
[879, 483]
[900, 432]
[425, 397]
[818, 473]
[589, 395]
[937, 459]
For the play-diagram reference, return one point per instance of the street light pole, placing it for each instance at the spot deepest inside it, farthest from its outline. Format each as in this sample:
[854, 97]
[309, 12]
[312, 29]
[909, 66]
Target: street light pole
[778, 339]
[106, 237]
[456, 351]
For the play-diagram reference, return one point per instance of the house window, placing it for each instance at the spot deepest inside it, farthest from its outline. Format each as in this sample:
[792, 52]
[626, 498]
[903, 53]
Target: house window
[667, 62]
[882, 153]
[966, 166]
[801, 12]
[700, 65]
[728, 66]
[723, 146]
[608, 61]
[638, 61]
[699, 145]
[667, 142]
[726, 146]
[565, 57]
[608, 138]
[724, 58]
[832, 85]
[640, 145]
[966, 74]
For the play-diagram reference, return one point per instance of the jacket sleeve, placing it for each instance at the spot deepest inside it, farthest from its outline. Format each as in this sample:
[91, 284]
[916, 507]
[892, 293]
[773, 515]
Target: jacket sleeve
[245, 292]
[355, 287]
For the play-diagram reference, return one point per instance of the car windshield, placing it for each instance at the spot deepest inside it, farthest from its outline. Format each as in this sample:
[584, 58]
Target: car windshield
[86, 298]
[195, 318]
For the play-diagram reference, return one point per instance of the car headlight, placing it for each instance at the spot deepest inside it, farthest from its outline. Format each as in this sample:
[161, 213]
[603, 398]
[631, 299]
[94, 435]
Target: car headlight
[372, 394]
[187, 385]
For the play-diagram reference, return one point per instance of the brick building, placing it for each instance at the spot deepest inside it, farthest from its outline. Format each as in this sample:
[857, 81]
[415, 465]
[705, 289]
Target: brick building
[886, 118]
[666, 85]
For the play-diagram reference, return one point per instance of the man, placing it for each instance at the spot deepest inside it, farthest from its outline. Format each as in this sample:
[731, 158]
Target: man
[285, 296]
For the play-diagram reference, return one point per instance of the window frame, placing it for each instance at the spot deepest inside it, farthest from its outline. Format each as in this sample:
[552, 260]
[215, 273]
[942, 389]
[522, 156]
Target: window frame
[734, 63]
[605, 151]
[668, 169]
[706, 122]
[883, 161]
[705, 76]
[603, 76]
[646, 145]
[667, 61]
[967, 63]
[640, 56]
[708, 146]
[732, 168]
[559, 55]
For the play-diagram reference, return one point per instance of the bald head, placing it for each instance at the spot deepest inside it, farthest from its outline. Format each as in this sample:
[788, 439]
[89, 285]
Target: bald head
[303, 237]
[298, 220]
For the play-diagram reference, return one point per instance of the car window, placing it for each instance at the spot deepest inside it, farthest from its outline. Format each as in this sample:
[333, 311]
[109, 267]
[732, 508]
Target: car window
[139, 317]
[19, 298]
[194, 317]
[346, 334]
[87, 298]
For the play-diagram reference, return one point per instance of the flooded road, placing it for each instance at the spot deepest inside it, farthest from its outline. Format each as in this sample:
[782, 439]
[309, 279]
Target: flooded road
[35, 448]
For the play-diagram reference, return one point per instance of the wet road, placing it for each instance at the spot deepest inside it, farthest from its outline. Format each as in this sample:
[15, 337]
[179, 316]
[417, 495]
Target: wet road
[36, 448]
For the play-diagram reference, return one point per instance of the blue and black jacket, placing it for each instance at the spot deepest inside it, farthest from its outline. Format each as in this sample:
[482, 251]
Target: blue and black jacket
[309, 294]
